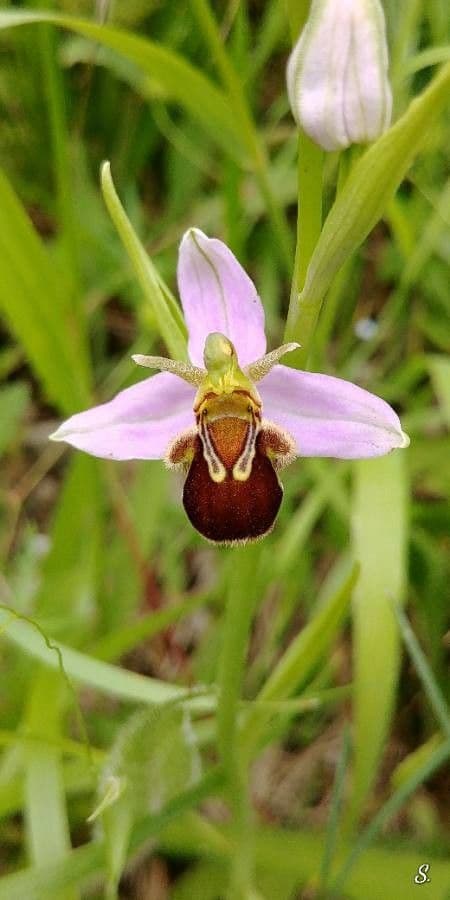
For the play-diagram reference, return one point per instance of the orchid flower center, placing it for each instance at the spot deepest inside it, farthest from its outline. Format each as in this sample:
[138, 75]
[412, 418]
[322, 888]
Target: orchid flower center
[227, 410]
[232, 492]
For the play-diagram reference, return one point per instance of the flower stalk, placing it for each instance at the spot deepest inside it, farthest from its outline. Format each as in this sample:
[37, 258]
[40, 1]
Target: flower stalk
[309, 224]
[238, 618]
[309, 204]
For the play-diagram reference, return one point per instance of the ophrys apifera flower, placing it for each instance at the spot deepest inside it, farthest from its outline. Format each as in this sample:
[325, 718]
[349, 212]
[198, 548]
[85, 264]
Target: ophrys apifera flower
[233, 416]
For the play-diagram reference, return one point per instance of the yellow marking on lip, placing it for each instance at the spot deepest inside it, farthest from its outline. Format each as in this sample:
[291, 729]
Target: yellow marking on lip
[228, 435]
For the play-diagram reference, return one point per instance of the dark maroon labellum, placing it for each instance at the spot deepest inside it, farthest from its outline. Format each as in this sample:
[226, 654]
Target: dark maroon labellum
[232, 510]
[232, 493]
[228, 509]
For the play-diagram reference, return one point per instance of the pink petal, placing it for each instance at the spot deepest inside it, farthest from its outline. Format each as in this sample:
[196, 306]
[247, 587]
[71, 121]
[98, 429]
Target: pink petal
[329, 416]
[138, 424]
[217, 295]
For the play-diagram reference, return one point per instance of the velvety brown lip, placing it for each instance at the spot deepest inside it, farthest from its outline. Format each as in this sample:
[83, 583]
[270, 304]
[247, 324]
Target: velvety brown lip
[232, 510]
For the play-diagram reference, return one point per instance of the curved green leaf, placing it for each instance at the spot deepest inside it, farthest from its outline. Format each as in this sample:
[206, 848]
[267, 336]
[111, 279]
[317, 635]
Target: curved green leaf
[33, 299]
[166, 311]
[100, 675]
[362, 202]
[380, 539]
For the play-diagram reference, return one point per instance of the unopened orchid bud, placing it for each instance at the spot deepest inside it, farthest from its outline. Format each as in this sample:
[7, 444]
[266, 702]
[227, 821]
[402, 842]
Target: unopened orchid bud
[337, 74]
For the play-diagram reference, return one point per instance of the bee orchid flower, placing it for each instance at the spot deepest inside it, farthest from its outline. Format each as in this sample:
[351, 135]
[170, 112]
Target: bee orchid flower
[233, 416]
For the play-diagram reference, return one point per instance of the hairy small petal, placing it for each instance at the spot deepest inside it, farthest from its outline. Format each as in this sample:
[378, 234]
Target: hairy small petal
[329, 416]
[261, 367]
[138, 424]
[183, 370]
[218, 296]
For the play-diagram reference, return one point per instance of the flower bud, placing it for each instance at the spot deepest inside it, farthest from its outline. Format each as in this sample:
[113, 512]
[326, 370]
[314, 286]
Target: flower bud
[337, 74]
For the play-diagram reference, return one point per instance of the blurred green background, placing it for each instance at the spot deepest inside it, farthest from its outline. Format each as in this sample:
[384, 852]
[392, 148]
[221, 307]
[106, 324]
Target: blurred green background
[101, 556]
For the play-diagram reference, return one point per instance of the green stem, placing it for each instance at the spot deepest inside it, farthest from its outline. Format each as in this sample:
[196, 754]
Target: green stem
[341, 280]
[302, 318]
[60, 143]
[255, 147]
[238, 619]
[339, 289]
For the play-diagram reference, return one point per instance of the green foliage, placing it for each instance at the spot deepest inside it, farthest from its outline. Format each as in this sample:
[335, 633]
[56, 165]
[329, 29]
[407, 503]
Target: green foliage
[167, 313]
[99, 675]
[362, 201]
[154, 758]
[173, 77]
[34, 299]
[380, 535]
[14, 399]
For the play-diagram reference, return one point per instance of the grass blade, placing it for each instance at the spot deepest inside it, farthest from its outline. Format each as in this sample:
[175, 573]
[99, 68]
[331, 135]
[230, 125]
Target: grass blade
[335, 811]
[379, 541]
[43, 779]
[300, 659]
[390, 809]
[167, 313]
[431, 688]
[33, 298]
[97, 674]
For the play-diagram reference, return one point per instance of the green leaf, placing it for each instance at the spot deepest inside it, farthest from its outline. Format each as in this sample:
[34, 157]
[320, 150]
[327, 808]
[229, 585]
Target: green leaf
[334, 816]
[286, 851]
[44, 790]
[166, 311]
[33, 298]
[386, 813]
[114, 644]
[306, 650]
[440, 375]
[298, 530]
[122, 594]
[14, 399]
[432, 690]
[70, 568]
[154, 758]
[277, 850]
[302, 656]
[361, 202]
[380, 534]
[414, 761]
[204, 880]
[431, 56]
[100, 675]
[88, 862]
[166, 73]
